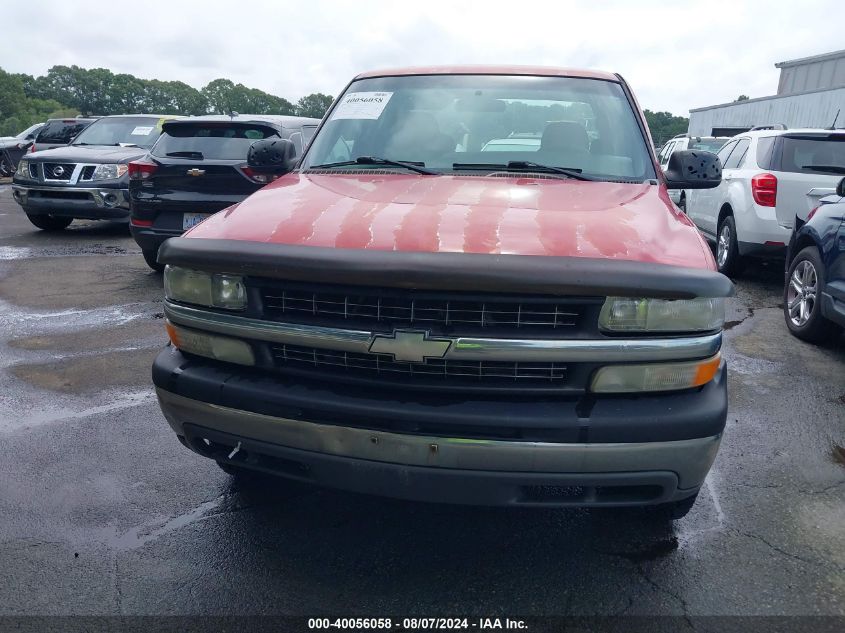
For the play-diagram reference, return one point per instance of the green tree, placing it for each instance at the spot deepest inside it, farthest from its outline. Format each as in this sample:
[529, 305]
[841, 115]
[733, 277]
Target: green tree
[314, 105]
[19, 111]
[225, 96]
[741, 98]
[665, 125]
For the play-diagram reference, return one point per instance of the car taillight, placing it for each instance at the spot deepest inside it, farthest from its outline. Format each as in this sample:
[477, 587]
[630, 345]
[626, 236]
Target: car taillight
[32, 149]
[764, 189]
[255, 176]
[141, 170]
[812, 213]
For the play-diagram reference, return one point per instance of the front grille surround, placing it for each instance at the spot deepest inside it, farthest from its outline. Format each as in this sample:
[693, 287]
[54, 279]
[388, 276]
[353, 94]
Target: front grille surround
[67, 171]
[433, 370]
[441, 314]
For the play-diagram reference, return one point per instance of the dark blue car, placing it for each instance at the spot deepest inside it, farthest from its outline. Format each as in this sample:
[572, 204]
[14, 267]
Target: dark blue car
[814, 296]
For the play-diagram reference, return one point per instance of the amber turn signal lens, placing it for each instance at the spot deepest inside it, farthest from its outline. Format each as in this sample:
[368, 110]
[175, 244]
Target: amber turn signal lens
[707, 370]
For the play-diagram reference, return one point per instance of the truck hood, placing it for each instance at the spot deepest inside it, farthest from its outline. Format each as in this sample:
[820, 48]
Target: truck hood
[88, 154]
[471, 214]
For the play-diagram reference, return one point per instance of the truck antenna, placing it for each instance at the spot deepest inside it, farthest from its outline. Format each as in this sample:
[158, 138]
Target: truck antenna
[833, 125]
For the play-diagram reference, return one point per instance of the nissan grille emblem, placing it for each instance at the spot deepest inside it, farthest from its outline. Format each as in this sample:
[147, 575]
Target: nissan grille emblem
[58, 170]
[410, 346]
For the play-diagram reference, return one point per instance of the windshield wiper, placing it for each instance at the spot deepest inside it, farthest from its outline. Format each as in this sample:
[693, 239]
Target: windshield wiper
[186, 154]
[836, 169]
[376, 160]
[522, 165]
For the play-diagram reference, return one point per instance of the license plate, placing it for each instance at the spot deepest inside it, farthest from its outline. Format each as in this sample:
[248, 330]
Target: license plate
[192, 219]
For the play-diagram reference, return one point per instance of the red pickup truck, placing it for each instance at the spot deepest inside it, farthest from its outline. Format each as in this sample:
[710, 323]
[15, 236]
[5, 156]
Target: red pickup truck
[472, 288]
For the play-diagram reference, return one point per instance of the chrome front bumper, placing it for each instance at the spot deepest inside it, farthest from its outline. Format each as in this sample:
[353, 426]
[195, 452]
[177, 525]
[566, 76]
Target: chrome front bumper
[684, 463]
[101, 197]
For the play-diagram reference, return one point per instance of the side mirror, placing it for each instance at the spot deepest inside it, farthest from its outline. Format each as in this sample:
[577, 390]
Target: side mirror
[840, 188]
[693, 169]
[275, 156]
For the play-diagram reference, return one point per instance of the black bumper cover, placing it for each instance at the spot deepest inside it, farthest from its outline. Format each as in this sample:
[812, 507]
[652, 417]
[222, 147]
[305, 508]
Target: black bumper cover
[691, 414]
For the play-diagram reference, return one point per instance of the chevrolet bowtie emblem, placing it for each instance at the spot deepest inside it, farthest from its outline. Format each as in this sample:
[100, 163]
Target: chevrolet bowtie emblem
[411, 346]
[196, 172]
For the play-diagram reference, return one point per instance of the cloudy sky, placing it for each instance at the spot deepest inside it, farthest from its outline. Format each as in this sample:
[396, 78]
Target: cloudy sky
[676, 55]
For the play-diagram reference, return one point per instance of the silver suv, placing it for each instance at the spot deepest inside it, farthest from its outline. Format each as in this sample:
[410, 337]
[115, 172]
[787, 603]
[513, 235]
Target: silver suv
[769, 176]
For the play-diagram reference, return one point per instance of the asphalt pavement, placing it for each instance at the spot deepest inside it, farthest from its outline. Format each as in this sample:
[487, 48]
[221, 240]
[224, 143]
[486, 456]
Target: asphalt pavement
[104, 512]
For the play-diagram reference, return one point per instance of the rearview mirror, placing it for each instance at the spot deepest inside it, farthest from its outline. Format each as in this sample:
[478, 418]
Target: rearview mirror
[693, 169]
[840, 188]
[272, 156]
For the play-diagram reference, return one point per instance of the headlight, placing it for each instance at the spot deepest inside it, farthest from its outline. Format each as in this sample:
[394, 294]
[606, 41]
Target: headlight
[230, 350]
[623, 314]
[655, 376]
[215, 290]
[109, 172]
[23, 169]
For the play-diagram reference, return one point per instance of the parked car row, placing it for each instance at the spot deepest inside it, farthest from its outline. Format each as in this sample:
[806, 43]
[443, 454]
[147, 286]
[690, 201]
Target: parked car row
[780, 195]
[188, 168]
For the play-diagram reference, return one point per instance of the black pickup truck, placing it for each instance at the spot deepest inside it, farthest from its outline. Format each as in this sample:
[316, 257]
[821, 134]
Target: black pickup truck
[87, 179]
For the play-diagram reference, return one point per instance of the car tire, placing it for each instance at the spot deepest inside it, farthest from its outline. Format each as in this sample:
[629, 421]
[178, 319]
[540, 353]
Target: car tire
[676, 509]
[728, 259]
[802, 298]
[151, 257]
[49, 222]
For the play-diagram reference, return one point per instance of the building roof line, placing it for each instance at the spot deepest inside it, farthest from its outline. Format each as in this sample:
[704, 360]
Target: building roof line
[813, 58]
[758, 99]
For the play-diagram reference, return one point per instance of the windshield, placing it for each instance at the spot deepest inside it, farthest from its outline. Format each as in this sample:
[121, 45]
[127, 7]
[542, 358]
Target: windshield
[60, 131]
[709, 144]
[28, 131]
[211, 140]
[459, 122]
[140, 131]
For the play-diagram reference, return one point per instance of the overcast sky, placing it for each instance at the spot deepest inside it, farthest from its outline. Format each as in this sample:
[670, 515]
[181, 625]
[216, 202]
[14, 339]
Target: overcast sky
[676, 55]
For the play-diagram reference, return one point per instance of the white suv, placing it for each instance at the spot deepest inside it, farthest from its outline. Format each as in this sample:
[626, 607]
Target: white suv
[769, 176]
[685, 141]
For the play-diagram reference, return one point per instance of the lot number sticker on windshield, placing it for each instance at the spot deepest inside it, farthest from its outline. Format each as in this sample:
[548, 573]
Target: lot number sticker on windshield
[362, 105]
[142, 130]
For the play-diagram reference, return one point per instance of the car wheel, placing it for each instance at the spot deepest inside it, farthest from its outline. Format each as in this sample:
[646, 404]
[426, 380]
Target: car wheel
[801, 298]
[676, 509]
[49, 222]
[728, 258]
[151, 258]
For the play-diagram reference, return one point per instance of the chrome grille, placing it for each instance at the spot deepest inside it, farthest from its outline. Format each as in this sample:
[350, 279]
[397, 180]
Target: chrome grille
[371, 308]
[58, 171]
[372, 365]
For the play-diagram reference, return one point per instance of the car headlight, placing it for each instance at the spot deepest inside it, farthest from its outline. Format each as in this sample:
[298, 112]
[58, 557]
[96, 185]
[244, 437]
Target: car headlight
[624, 314]
[109, 172]
[655, 376]
[23, 169]
[230, 350]
[215, 290]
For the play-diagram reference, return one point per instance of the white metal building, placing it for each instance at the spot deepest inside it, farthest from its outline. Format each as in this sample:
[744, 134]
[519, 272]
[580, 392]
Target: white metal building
[811, 91]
